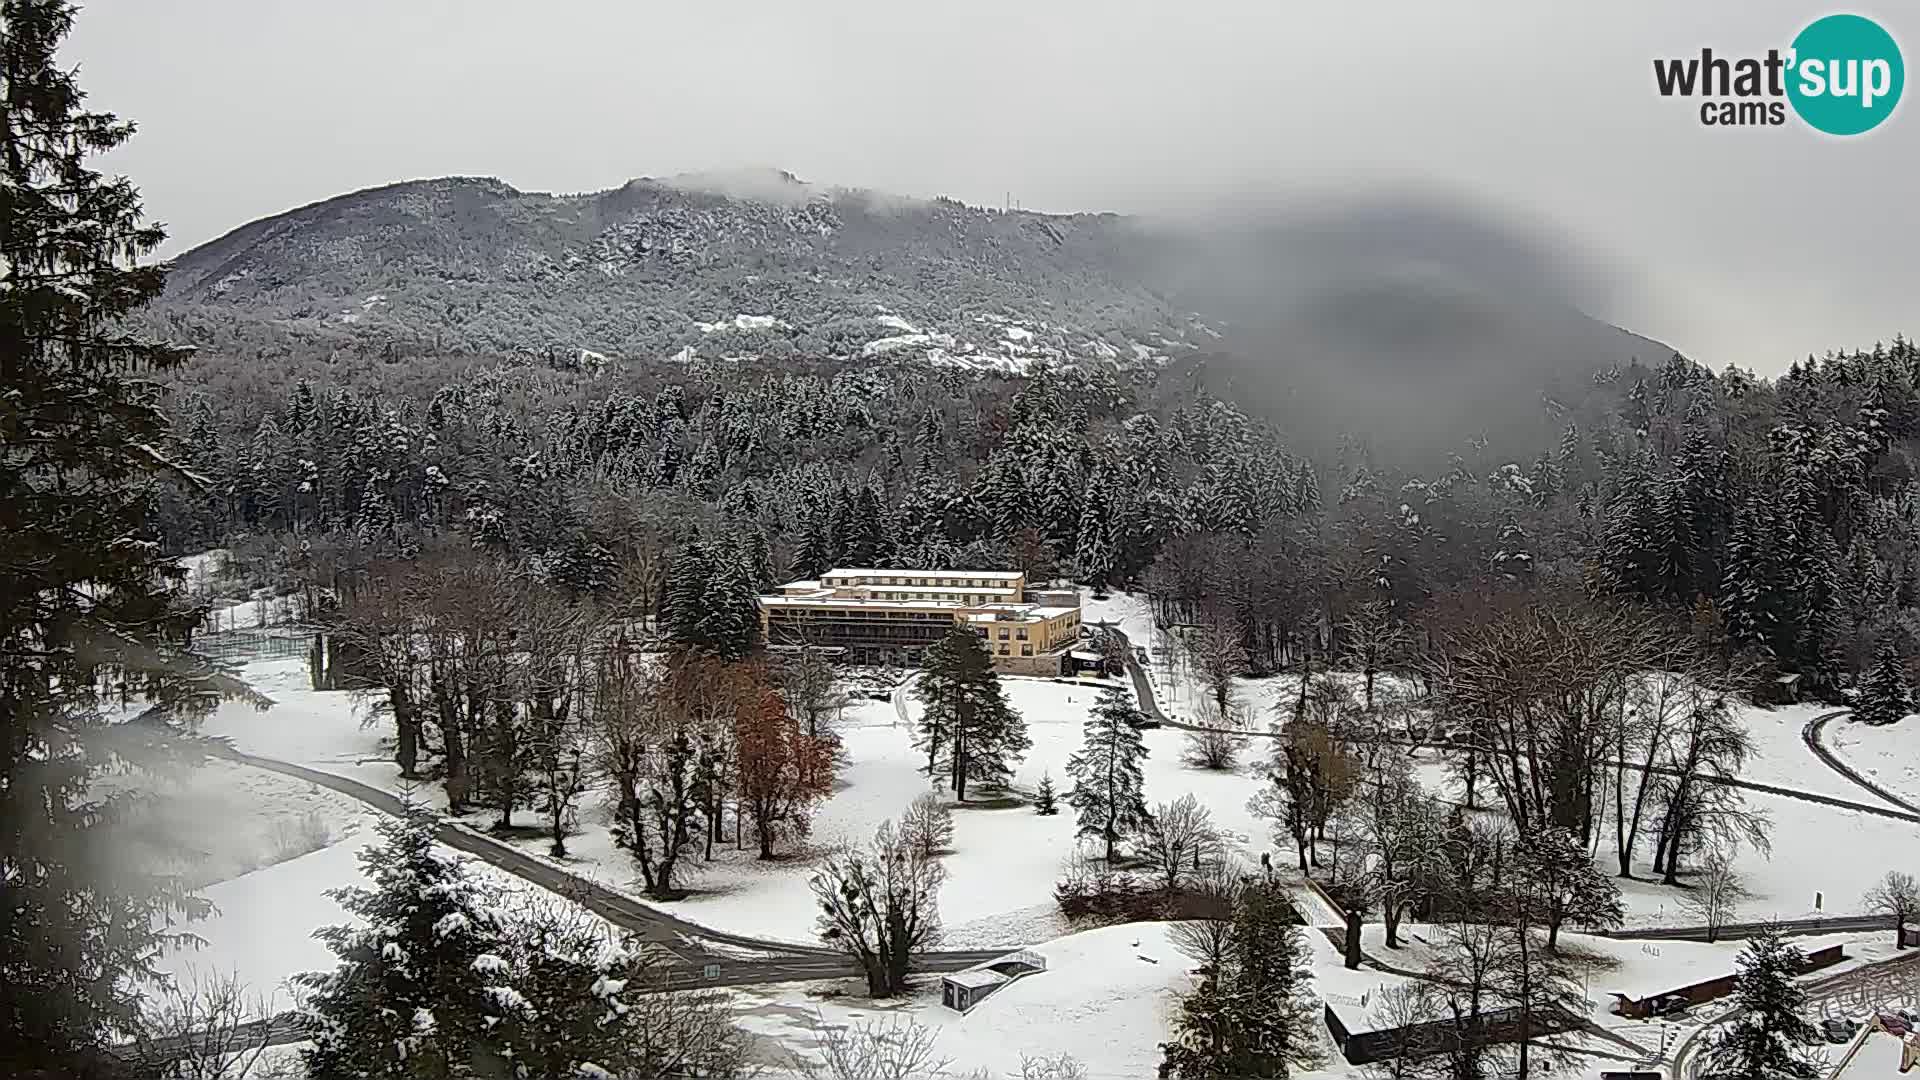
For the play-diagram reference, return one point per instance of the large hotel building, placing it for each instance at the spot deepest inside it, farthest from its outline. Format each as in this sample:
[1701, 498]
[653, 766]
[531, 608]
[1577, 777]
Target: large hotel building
[893, 615]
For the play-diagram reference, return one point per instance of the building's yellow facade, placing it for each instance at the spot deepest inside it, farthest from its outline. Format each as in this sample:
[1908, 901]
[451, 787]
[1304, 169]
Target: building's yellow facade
[895, 614]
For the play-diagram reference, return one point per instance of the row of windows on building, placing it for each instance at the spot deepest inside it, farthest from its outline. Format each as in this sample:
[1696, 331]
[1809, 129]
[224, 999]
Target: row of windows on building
[950, 583]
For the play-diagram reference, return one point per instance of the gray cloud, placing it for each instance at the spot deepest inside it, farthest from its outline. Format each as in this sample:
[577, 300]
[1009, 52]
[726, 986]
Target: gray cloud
[1750, 246]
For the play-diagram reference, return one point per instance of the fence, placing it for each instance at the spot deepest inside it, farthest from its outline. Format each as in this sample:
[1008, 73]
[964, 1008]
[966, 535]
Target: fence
[232, 645]
[1747, 929]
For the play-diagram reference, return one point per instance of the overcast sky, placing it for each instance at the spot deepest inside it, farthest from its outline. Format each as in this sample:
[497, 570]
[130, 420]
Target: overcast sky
[1750, 245]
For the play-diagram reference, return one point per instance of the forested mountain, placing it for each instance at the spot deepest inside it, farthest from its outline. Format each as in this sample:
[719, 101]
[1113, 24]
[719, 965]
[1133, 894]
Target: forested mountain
[763, 265]
[458, 357]
[690, 266]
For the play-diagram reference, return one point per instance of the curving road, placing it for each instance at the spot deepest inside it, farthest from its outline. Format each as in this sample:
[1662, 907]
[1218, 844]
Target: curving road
[1811, 734]
[699, 955]
[1143, 690]
[699, 950]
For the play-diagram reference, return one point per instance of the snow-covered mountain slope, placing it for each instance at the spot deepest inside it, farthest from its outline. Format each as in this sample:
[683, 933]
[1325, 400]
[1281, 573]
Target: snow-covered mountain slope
[644, 271]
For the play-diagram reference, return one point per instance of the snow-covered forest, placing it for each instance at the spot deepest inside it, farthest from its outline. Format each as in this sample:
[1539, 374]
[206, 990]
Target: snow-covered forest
[387, 697]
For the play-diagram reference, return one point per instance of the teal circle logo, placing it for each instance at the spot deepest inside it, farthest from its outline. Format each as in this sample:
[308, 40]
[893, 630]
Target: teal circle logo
[1847, 74]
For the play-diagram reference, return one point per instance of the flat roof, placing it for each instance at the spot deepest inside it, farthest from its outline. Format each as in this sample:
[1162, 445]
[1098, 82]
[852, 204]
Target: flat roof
[985, 575]
[975, 977]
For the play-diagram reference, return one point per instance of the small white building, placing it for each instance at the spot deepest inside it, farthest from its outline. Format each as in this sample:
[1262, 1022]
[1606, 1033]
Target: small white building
[962, 990]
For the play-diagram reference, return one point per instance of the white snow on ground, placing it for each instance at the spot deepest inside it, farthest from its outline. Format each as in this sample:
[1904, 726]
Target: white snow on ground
[1006, 860]
[895, 322]
[1129, 610]
[322, 729]
[1105, 998]
[1889, 755]
[1823, 858]
[741, 322]
[879, 346]
[263, 923]
[1784, 760]
[262, 928]
[1001, 871]
[222, 820]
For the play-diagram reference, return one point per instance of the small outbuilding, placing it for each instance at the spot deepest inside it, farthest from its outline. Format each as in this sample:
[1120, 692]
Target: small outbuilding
[962, 990]
[1785, 690]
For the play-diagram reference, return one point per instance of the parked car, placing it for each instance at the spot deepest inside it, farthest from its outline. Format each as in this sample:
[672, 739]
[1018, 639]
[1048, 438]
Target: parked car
[1838, 1029]
[1668, 1005]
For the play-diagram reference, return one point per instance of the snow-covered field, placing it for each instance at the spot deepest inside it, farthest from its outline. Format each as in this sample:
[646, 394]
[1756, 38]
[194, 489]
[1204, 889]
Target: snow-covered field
[1105, 998]
[262, 927]
[222, 820]
[1889, 756]
[1006, 859]
[1001, 872]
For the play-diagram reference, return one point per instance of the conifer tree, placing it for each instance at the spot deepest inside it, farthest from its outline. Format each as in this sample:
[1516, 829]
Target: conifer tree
[710, 603]
[85, 615]
[1045, 803]
[729, 623]
[811, 554]
[967, 726]
[1107, 778]
[416, 992]
[1253, 1016]
[1884, 696]
[1769, 1039]
[1093, 548]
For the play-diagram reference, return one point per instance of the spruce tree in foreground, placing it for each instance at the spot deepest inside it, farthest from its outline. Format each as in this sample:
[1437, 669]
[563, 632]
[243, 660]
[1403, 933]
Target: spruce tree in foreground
[1107, 780]
[1884, 697]
[415, 991]
[1253, 1017]
[1769, 1039]
[85, 618]
[967, 726]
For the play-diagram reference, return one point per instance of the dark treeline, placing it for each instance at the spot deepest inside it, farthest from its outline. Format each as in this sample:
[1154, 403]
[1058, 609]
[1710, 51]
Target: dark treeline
[1778, 513]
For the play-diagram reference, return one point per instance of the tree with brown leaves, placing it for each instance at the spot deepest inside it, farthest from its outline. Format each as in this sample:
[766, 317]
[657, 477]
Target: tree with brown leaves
[783, 772]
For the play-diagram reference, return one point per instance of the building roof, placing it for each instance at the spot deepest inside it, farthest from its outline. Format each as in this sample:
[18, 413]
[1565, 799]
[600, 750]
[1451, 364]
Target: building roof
[975, 978]
[980, 575]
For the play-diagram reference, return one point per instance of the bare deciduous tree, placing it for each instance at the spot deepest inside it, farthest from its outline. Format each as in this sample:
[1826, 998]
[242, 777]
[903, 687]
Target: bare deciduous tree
[927, 824]
[896, 1048]
[1056, 1067]
[1180, 841]
[812, 693]
[1219, 656]
[1896, 895]
[1716, 892]
[880, 904]
[1205, 934]
[1374, 640]
[203, 1028]
[1408, 1012]
[1217, 745]
[644, 750]
[1544, 684]
[1399, 830]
